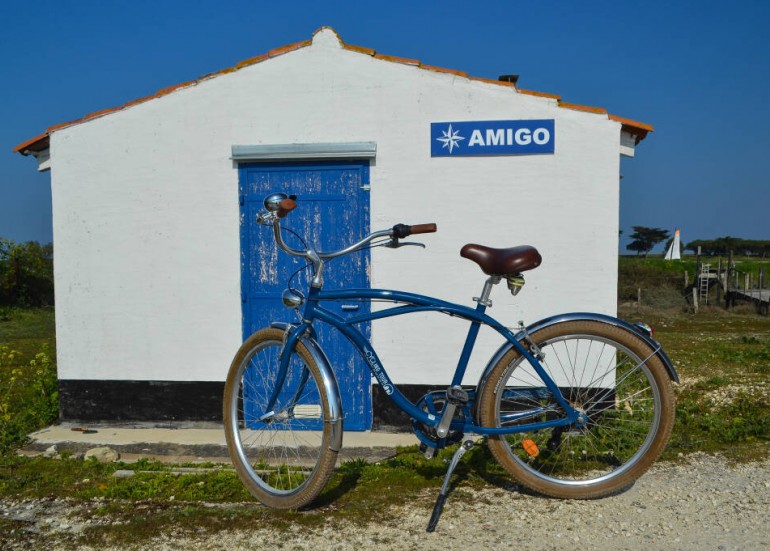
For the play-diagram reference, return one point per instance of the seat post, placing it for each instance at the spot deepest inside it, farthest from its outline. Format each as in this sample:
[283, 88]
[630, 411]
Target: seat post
[484, 300]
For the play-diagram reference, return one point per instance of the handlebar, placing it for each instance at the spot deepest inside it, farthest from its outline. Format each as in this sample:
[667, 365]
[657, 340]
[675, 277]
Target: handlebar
[279, 206]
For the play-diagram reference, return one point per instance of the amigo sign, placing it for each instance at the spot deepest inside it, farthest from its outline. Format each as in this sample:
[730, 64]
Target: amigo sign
[473, 138]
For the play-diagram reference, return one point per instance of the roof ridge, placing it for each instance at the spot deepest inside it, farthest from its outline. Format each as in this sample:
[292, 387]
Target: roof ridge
[40, 142]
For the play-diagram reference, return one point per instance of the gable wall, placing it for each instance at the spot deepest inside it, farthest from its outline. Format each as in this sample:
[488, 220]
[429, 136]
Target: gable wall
[146, 211]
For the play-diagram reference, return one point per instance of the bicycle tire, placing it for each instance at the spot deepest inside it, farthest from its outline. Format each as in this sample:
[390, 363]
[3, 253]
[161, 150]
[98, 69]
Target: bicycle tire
[284, 460]
[628, 398]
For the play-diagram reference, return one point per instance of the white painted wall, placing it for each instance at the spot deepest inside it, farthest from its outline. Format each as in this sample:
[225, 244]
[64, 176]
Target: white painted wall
[146, 211]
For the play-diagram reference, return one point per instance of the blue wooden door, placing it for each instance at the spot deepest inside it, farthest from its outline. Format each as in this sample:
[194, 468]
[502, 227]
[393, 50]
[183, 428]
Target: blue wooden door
[332, 212]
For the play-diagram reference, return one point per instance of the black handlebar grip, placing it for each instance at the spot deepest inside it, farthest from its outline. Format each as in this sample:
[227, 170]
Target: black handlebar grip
[401, 230]
[285, 207]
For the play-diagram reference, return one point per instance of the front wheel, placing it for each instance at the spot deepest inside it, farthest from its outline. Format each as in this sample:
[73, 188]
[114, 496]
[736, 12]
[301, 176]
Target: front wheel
[615, 381]
[280, 451]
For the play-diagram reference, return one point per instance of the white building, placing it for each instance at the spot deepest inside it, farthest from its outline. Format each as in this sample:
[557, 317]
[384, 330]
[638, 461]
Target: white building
[160, 267]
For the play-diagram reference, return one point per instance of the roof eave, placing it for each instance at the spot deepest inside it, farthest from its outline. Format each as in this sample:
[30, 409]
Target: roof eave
[41, 142]
[33, 145]
[638, 129]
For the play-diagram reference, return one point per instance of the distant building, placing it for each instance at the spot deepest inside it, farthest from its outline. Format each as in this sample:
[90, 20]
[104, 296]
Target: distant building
[161, 268]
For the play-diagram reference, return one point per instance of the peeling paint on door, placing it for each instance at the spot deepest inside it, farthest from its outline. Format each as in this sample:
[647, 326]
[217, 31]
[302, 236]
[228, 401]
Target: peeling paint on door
[332, 213]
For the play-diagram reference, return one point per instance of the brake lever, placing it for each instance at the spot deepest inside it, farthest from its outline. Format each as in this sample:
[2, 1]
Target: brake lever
[396, 244]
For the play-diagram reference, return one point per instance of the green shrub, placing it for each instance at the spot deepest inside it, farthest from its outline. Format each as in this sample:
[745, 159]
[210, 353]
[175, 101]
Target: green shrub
[28, 395]
[655, 277]
[6, 313]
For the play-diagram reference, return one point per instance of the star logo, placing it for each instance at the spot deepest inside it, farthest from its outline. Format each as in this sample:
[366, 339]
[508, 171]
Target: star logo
[450, 138]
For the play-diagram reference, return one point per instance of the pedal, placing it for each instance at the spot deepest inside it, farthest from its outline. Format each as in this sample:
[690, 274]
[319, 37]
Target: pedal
[428, 451]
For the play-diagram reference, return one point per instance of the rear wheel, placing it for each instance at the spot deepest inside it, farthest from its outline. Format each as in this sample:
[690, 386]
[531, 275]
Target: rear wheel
[281, 455]
[608, 374]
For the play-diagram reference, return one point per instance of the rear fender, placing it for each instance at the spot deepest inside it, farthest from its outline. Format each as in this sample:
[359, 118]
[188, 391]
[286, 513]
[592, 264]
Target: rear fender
[579, 316]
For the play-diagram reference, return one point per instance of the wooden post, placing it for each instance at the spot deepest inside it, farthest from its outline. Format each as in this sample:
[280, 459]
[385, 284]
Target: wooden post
[686, 278]
[695, 299]
[639, 297]
[697, 263]
[731, 285]
[719, 280]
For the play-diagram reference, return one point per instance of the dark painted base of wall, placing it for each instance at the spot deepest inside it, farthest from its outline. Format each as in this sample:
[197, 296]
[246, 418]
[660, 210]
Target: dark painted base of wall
[148, 401]
[386, 416]
[87, 400]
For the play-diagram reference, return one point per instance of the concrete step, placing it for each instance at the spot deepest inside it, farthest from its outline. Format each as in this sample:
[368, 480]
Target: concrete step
[188, 442]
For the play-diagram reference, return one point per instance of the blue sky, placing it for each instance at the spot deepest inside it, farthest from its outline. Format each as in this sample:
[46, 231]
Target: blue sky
[698, 71]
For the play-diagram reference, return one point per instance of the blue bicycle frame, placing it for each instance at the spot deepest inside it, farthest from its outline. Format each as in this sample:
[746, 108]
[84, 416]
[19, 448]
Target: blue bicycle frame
[409, 303]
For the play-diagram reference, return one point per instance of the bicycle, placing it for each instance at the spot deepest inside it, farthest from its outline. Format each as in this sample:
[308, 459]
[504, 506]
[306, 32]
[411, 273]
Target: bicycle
[574, 406]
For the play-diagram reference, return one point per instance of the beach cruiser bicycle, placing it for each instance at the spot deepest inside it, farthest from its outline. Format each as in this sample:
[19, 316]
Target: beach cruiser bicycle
[575, 406]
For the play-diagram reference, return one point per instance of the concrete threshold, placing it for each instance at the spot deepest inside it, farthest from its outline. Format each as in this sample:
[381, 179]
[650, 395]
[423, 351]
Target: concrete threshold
[188, 442]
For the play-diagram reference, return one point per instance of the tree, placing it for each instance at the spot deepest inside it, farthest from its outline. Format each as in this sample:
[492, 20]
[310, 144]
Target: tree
[644, 239]
[26, 274]
[723, 246]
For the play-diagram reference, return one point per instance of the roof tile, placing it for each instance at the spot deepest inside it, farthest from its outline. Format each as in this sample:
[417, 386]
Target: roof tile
[443, 70]
[289, 48]
[396, 59]
[101, 113]
[26, 146]
[360, 49]
[169, 89]
[250, 61]
[633, 123]
[586, 108]
[539, 94]
[497, 82]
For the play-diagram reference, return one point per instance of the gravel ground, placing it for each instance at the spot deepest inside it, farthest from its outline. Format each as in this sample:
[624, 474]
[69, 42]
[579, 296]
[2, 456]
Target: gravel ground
[701, 503]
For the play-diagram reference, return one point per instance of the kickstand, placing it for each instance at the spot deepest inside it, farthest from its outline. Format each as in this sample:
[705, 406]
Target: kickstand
[439, 506]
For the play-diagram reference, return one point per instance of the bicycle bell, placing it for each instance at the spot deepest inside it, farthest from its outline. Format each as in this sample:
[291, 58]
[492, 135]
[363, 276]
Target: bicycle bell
[292, 298]
[273, 201]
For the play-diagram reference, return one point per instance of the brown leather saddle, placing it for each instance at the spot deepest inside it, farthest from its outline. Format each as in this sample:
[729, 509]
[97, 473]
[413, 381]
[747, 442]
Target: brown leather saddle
[502, 262]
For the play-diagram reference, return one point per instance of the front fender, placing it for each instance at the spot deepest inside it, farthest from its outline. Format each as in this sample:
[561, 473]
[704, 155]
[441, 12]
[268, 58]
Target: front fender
[329, 381]
[579, 316]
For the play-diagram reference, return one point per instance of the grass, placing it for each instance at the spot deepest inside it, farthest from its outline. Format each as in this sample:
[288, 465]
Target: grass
[28, 330]
[723, 359]
[127, 510]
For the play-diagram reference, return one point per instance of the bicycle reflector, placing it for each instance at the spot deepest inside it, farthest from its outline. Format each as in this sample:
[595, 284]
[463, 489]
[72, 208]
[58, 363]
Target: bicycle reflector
[515, 283]
[530, 447]
[645, 328]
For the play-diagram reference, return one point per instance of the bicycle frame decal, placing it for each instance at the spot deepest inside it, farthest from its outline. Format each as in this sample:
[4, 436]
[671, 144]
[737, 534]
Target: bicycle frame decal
[378, 372]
